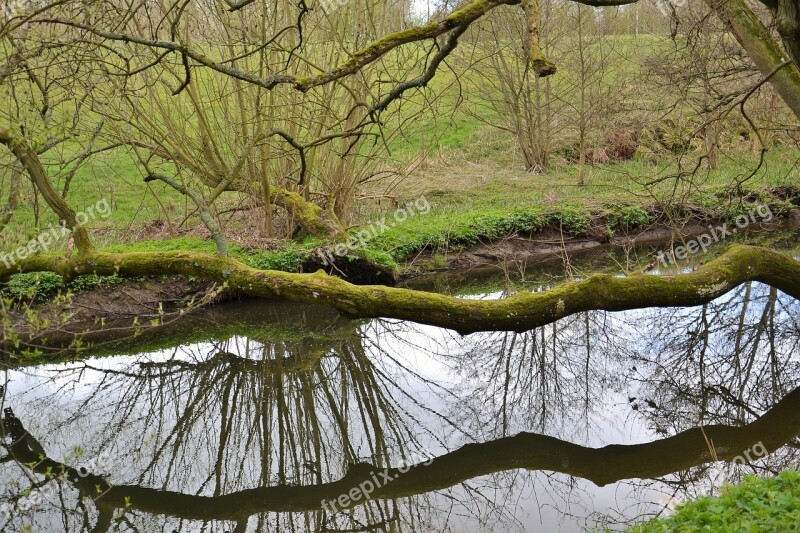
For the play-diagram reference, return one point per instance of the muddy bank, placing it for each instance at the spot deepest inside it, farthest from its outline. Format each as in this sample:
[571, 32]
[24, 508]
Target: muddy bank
[283, 320]
[143, 298]
[554, 244]
[125, 308]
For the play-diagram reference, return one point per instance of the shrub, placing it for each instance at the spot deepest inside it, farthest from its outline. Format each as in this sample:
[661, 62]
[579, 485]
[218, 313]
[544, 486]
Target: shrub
[757, 504]
[571, 219]
[626, 216]
[35, 284]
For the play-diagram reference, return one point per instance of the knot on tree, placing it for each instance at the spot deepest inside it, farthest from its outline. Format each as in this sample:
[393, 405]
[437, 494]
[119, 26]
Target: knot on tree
[543, 67]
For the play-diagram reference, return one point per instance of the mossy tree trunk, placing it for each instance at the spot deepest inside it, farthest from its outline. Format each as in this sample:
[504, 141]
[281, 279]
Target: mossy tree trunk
[13, 200]
[787, 21]
[520, 312]
[765, 53]
[33, 167]
[313, 219]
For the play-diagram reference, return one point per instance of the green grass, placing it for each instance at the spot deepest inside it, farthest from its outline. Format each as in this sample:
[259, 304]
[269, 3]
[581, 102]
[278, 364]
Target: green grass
[469, 213]
[112, 176]
[194, 244]
[287, 258]
[527, 203]
[757, 504]
[487, 199]
[513, 204]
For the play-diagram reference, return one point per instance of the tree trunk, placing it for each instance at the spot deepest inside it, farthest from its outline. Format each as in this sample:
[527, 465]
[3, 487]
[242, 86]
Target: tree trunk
[521, 312]
[313, 219]
[13, 200]
[757, 41]
[38, 176]
[203, 211]
[787, 20]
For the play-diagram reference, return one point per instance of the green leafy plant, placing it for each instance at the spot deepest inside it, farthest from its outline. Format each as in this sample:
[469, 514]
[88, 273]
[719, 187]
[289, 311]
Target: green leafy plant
[379, 258]
[289, 259]
[37, 284]
[93, 281]
[626, 217]
[571, 219]
[757, 504]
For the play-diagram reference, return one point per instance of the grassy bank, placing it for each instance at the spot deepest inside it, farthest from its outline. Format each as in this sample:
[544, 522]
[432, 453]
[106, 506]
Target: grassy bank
[466, 206]
[445, 216]
[474, 190]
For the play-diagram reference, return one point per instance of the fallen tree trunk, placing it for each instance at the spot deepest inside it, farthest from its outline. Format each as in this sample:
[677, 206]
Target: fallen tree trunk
[520, 312]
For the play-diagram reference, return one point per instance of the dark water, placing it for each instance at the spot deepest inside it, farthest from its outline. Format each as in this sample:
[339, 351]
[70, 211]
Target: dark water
[253, 406]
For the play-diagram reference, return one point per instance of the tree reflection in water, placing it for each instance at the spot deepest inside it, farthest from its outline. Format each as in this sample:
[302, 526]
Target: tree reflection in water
[312, 411]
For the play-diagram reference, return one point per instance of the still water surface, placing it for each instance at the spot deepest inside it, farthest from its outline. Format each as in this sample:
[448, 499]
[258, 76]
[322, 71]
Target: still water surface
[270, 394]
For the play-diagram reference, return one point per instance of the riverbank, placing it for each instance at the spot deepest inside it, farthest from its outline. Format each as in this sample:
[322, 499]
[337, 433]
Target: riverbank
[105, 310]
[438, 231]
[451, 237]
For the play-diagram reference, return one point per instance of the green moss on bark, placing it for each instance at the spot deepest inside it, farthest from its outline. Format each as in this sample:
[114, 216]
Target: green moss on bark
[520, 312]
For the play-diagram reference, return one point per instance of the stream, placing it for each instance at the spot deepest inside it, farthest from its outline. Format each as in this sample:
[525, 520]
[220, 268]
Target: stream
[254, 394]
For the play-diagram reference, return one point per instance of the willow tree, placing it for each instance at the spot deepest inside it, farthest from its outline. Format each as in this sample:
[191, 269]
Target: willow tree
[206, 132]
[43, 107]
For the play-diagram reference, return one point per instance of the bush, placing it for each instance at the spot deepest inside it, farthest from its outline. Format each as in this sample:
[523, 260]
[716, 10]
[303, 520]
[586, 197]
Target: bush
[757, 504]
[571, 219]
[626, 217]
[34, 284]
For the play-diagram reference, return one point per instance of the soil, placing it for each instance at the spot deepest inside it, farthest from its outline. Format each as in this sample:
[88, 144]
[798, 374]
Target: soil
[552, 243]
[122, 307]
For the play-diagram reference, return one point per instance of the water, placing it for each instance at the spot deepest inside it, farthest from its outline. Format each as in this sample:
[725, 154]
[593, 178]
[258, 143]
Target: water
[253, 406]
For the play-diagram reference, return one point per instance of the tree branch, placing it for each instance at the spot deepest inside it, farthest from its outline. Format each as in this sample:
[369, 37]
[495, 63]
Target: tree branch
[38, 176]
[521, 312]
